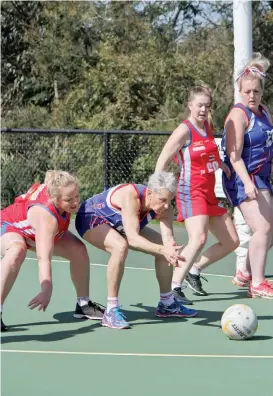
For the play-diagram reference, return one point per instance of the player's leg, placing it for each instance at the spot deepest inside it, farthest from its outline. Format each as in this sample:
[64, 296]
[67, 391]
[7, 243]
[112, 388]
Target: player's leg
[197, 229]
[13, 251]
[73, 249]
[259, 216]
[224, 231]
[243, 271]
[168, 305]
[108, 239]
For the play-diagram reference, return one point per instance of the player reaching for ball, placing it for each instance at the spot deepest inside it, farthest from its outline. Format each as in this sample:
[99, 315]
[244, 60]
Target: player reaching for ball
[39, 220]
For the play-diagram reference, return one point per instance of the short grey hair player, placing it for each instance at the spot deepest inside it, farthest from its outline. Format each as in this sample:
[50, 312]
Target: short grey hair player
[159, 180]
[116, 220]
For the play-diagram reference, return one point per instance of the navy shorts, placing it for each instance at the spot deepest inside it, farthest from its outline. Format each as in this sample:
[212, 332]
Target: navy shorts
[88, 221]
[235, 190]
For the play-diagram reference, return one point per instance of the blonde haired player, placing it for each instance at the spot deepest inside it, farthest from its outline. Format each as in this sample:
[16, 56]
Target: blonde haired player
[248, 150]
[39, 220]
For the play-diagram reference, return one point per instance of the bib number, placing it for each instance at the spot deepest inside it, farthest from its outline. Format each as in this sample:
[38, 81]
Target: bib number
[212, 166]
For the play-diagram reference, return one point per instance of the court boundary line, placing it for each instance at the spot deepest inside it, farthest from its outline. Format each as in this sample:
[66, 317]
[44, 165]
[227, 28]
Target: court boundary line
[137, 354]
[132, 268]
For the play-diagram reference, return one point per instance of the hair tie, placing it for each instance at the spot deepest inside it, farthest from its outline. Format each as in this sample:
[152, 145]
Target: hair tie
[249, 70]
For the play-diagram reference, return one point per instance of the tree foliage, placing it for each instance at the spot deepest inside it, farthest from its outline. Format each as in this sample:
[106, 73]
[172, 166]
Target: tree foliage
[116, 65]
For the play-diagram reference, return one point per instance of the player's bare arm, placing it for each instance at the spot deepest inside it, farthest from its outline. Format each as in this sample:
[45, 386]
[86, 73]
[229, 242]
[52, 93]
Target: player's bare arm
[236, 125]
[130, 219]
[177, 140]
[46, 227]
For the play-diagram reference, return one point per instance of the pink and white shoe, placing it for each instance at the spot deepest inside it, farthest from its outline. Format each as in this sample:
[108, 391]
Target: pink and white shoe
[240, 279]
[264, 290]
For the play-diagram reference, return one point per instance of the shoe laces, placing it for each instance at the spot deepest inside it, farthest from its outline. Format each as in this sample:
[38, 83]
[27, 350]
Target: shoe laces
[119, 315]
[197, 279]
[97, 307]
[179, 291]
[270, 284]
[266, 284]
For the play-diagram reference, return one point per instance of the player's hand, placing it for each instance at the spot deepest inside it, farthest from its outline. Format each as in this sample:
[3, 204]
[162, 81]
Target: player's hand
[172, 254]
[226, 170]
[42, 299]
[181, 261]
[251, 190]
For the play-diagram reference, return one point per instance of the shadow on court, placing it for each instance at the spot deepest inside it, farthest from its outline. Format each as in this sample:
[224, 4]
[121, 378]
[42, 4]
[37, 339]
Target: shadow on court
[204, 318]
[61, 318]
[230, 296]
[146, 314]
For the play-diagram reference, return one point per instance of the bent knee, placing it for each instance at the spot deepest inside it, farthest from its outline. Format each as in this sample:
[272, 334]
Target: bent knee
[198, 241]
[120, 249]
[266, 231]
[17, 253]
[79, 251]
[231, 244]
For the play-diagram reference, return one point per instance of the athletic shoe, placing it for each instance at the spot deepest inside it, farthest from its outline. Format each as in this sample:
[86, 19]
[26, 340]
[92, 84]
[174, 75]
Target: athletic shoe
[264, 290]
[240, 279]
[176, 309]
[115, 319]
[91, 310]
[180, 296]
[3, 326]
[194, 283]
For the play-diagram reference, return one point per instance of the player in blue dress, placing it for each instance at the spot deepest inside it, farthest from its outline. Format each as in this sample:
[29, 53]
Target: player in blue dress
[116, 220]
[248, 149]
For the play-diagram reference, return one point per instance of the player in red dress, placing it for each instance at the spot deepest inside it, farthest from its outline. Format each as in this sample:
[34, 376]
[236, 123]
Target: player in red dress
[195, 150]
[39, 220]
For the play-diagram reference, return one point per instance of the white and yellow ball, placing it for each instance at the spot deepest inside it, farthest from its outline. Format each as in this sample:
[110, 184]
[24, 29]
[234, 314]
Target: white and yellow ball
[239, 322]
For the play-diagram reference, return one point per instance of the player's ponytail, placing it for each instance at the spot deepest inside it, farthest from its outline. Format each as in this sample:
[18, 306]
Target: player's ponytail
[56, 179]
[211, 123]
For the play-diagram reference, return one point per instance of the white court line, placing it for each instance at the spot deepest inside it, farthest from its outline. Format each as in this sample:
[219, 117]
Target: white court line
[137, 354]
[132, 268]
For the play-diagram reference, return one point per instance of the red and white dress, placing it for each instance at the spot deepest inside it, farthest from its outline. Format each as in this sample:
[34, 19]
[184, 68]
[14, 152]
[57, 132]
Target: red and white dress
[14, 217]
[198, 162]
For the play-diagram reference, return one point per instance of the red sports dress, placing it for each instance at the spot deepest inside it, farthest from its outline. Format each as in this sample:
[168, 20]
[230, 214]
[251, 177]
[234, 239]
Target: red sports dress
[198, 161]
[14, 217]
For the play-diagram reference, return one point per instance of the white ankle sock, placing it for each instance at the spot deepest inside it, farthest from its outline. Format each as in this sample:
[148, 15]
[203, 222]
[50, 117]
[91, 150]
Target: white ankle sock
[112, 302]
[175, 284]
[166, 298]
[1, 308]
[194, 270]
[83, 301]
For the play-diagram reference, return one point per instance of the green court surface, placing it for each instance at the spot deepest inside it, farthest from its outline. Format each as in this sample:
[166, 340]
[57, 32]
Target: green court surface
[52, 353]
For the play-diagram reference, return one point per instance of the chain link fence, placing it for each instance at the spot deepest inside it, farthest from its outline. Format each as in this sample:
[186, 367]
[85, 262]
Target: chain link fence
[100, 159]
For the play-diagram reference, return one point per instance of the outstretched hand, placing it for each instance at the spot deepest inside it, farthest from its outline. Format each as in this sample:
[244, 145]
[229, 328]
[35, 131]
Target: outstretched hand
[172, 254]
[41, 300]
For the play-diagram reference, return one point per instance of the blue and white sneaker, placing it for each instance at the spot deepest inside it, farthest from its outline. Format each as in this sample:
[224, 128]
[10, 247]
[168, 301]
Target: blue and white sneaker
[176, 309]
[115, 319]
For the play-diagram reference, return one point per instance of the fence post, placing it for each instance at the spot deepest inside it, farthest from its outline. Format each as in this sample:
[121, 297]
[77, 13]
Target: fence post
[106, 160]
